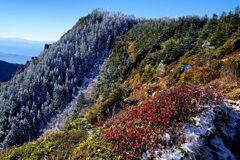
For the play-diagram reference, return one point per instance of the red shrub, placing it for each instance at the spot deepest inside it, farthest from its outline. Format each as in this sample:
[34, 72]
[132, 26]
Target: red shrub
[139, 129]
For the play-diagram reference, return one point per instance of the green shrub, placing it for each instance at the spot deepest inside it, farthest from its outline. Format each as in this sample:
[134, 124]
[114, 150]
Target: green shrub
[55, 146]
[96, 148]
[232, 66]
[216, 65]
[199, 76]
[223, 50]
[92, 116]
[77, 124]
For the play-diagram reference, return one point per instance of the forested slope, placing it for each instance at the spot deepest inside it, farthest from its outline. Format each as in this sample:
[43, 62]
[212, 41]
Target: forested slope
[169, 89]
[50, 81]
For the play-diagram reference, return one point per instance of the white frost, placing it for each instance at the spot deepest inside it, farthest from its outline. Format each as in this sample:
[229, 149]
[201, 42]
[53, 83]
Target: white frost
[204, 137]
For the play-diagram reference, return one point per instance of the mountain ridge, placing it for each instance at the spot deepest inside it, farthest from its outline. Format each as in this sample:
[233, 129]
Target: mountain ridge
[139, 89]
[58, 72]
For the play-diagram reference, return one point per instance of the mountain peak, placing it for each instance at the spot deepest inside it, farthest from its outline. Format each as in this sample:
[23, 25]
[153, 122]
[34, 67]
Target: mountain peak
[100, 15]
[104, 12]
[70, 64]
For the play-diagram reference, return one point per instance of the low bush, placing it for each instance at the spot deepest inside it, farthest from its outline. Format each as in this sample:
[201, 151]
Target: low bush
[140, 128]
[228, 86]
[107, 108]
[223, 50]
[200, 75]
[216, 65]
[95, 147]
[232, 66]
[56, 146]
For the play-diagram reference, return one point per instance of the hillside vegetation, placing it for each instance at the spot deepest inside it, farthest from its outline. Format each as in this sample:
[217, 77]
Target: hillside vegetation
[159, 91]
[50, 81]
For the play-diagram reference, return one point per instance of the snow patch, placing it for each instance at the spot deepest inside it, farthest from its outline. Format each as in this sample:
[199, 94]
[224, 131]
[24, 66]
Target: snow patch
[58, 121]
[212, 135]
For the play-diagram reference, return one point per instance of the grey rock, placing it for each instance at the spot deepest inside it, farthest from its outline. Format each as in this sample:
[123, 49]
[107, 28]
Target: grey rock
[236, 44]
[160, 68]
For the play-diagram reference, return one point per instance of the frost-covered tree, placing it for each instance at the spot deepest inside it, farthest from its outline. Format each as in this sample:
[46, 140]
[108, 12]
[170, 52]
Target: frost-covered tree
[49, 82]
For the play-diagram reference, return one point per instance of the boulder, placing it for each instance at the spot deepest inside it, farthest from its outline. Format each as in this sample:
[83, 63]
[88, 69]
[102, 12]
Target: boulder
[88, 127]
[207, 46]
[185, 67]
[160, 68]
[47, 46]
[236, 44]
[128, 90]
[132, 101]
[151, 90]
[156, 47]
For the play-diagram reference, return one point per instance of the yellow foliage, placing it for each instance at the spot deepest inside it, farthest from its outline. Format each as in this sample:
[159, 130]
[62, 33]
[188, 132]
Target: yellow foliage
[132, 49]
[198, 76]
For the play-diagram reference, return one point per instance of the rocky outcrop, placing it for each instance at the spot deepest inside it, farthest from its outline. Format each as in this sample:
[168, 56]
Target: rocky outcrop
[47, 46]
[213, 134]
[236, 44]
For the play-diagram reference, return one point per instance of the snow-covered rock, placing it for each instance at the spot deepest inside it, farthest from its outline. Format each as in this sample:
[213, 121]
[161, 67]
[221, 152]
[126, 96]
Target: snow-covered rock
[213, 134]
[166, 137]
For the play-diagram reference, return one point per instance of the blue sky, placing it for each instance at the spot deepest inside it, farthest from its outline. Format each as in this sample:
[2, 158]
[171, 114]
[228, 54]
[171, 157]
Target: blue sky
[49, 19]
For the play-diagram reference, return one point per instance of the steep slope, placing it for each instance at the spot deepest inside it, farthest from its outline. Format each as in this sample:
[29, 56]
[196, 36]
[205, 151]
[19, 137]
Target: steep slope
[7, 70]
[162, 49]
[50, 81]
[156, 97]
[213, 134]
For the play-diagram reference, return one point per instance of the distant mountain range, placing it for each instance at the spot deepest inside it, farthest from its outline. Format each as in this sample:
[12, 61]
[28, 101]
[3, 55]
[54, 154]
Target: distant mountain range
[7, 70]
[14, 58]
[17, 50]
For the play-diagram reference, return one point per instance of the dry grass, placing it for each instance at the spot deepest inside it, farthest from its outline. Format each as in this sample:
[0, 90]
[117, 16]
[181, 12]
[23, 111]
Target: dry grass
[140, 92]
[232, 54]
[228, 86]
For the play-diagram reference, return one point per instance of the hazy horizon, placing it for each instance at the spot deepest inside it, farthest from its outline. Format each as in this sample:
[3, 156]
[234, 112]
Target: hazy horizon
[25, 39]
[49, 20]
[18, 50]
